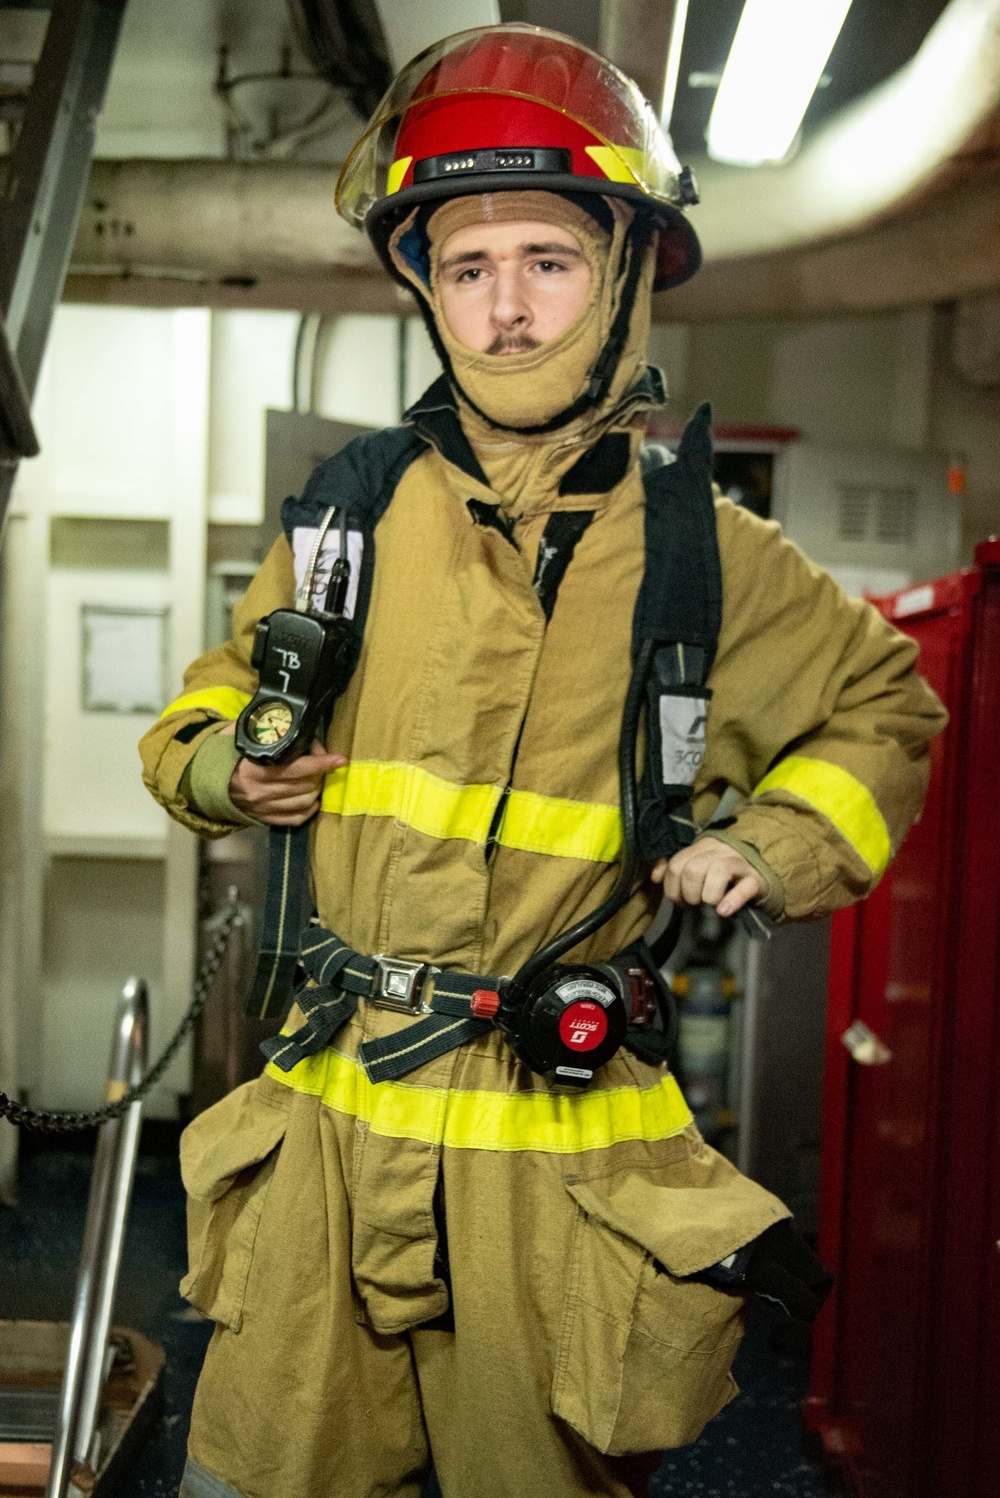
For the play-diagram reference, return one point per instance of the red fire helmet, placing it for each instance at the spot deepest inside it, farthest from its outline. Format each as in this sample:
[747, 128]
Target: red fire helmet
[516, 106]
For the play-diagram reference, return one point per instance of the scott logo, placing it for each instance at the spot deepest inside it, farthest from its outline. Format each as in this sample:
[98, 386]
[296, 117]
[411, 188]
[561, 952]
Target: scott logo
[583, 1025]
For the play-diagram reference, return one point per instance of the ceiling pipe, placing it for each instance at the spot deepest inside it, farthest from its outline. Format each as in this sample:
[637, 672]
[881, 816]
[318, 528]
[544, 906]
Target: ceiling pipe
[215, 221]
[948, 248]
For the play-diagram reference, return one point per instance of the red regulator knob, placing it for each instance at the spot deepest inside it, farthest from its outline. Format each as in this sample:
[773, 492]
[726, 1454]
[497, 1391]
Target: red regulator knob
[485, 1003]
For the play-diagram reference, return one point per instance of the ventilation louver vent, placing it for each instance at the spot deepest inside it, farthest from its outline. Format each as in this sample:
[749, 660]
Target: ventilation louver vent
[870, 512]
[854, 509]
[896, 516]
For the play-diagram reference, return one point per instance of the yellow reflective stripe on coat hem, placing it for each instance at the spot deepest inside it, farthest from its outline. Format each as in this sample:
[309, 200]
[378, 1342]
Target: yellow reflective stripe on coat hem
[838, 796]
[440, 808]
[228, 702]
[550, 1123]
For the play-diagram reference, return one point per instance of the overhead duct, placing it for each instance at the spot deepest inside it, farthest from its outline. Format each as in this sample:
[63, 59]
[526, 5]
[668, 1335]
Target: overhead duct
[947, 247]
[215, 221]
[266, 234]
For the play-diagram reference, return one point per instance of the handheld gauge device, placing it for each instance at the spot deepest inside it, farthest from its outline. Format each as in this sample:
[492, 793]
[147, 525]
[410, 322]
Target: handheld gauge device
[303, 657]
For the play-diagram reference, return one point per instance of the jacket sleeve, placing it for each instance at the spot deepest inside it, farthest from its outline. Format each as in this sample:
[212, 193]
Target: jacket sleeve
[217, 687]
[823, 719]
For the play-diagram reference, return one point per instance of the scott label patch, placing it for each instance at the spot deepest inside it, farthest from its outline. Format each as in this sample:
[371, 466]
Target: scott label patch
[303, 539]
[583, 1025]
[682, 733]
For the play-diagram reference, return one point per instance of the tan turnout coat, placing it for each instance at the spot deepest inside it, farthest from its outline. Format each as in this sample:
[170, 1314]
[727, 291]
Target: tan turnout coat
[576, 1219]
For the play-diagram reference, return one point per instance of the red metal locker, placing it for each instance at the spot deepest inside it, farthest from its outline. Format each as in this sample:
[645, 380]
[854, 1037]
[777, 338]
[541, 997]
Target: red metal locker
[906, 1369]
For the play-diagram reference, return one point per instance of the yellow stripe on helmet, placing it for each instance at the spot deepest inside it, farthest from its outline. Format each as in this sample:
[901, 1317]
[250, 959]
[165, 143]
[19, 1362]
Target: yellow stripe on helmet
[441, 808]
[552, 1123]
[227, 702]
[619, 163]
[839, 797]
[397, 172]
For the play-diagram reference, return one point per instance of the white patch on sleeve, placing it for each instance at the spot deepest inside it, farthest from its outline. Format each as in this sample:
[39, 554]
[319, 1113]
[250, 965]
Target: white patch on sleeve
[303, 539]
[682, 729]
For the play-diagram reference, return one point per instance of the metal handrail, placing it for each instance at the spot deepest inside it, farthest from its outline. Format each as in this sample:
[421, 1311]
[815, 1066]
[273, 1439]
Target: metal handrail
[97, 1278]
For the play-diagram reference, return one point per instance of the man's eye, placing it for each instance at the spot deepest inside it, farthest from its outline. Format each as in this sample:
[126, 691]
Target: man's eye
[550, 265]
[472, 274]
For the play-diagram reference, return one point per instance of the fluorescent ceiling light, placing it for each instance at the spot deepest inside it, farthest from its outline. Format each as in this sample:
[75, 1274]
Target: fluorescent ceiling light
[673, 66]
[776, 61]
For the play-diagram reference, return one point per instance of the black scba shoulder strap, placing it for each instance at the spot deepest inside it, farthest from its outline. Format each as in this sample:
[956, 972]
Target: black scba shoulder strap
[361, 479]
[678, 611]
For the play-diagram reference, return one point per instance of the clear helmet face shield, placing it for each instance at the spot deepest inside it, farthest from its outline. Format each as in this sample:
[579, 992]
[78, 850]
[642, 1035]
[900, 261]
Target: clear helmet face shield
[517, 107]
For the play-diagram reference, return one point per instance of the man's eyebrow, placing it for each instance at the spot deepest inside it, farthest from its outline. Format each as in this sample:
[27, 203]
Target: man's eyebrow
[468, 257]
[480, 257]
[554, 247]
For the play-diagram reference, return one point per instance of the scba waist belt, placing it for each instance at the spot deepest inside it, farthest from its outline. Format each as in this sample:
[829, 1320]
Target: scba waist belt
[451, 1007]
[341, 976]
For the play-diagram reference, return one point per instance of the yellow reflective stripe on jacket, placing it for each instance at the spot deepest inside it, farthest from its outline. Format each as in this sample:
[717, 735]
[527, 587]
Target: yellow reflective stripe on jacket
[374, 788]
[834, 792]
[228, 702]
[553, 1123]
[567, 829]
[442, 808]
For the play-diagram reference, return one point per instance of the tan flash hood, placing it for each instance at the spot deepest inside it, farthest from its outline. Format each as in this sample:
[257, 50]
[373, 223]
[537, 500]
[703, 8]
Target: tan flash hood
[587, 367]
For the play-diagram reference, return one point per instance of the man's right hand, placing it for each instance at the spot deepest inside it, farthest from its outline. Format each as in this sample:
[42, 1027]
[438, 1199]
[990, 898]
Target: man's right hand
[282, 795]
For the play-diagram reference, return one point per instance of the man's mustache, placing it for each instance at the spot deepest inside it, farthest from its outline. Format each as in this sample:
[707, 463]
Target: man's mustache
[513, 343]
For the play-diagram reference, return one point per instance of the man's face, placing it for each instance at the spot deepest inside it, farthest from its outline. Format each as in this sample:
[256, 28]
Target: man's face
[506, 288]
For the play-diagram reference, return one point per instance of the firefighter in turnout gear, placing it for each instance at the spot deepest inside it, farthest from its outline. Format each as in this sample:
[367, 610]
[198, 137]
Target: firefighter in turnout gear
[418, 1250]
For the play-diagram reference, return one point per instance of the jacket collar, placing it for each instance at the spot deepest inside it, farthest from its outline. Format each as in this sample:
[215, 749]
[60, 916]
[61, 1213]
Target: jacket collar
[436, 418]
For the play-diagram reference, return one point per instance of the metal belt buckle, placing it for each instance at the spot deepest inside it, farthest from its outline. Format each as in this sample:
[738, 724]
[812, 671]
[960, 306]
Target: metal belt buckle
[398, 984]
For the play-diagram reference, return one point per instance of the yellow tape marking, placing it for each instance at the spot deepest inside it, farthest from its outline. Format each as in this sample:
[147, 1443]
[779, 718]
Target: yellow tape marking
[552, 1123]
[228, 702]
[839, 797]
[442, 808]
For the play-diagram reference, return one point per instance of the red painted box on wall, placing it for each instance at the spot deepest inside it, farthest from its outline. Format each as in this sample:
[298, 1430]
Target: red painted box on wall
[905, 1388]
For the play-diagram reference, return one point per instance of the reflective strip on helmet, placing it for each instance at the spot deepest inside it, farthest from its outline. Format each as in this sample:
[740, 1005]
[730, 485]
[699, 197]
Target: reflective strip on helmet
[839, 797]
[441, 808]
[397, 172]
[226, 702]
[618, 163]
[553, 1123]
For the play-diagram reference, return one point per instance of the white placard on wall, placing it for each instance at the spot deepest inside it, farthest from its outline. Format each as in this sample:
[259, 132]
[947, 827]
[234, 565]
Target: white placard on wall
[124, 659]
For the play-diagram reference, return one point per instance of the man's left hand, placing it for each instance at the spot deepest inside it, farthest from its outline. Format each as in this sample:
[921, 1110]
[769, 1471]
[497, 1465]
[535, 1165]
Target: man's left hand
[709, 872]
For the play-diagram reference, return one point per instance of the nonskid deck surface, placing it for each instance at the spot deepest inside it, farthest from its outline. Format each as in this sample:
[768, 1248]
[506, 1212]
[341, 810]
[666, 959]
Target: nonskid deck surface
[754, 1448]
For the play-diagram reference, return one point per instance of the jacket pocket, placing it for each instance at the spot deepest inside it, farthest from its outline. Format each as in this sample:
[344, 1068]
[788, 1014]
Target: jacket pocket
[228, 1157]
[645, 1351]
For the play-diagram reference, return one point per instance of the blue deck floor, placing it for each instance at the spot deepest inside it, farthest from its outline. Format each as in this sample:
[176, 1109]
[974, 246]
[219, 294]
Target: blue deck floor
[754, 1449]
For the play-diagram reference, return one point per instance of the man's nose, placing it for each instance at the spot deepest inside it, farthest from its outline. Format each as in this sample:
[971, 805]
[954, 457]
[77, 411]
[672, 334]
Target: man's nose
[510, 309]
